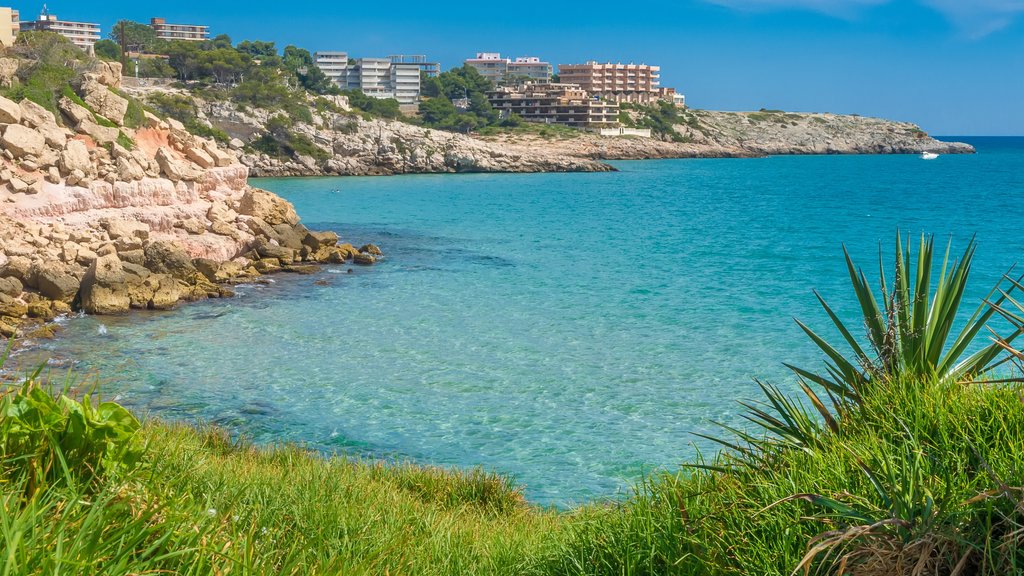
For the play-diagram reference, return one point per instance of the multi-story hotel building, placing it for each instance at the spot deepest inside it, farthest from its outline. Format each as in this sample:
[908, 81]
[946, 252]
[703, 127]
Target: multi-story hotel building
[376, 77]
[165, 31]
[492, 66]
[637, 83]
[530, 68]
[432, 69]
[334, 65]
[548, 103]
[9, 26]
[81, 34]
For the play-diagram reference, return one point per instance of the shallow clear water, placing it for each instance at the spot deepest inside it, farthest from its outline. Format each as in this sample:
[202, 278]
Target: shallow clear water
[572, 330]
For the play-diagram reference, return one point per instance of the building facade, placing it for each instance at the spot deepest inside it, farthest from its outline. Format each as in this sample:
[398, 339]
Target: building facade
[191, 32]
[550, 103]
[376, 77]
[81, 34]
[500, 70]
[637, 83]
[334, 65]
[10, 25]
[529, 68]
[431, 69]
[490, 65]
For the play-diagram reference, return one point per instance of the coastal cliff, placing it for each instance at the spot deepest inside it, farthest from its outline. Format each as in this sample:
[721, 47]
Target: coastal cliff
[711, 134]
[101, 217]
[345, 143]
[342, 141]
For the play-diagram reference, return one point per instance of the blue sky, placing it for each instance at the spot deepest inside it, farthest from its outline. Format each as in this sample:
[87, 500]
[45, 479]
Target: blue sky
[956, 67]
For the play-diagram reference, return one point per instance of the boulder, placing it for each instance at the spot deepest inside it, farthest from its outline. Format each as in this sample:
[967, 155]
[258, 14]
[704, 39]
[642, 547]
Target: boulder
[75, 156]
[290, 236]
[101, 134]
[34, 115]
[364, 259]
[269, 207]
[219, 212]
[167, 292]
[121, 228]
[18, 267]
[166, 258]
[173, 168]
[104, 101]
[43, 310]
[11, 286]
[200, 157]
[23, 141]
[11, 308]
[74, 112]
[10, 112]
[371, 249]
[220, 157]
[108, 73]
[268, 250]
[236, 144]
[56, 284]
[318, 240]
[103, 287]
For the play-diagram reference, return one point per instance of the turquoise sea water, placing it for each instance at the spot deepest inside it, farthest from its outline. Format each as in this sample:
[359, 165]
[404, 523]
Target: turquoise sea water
[572, 330]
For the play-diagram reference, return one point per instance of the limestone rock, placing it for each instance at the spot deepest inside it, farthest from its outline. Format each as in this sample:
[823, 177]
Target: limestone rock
[101, 134]
[173, 168]
[10, 112]
[104, 101]
[55, 283]
[267, 206]
[75, 113]
[200, 157]
[11, 286]
[167, 258]
[120, 228]
[103, 287]
[23, 141]
[371, 249]
[75, 156]
[34, 115]
[364, 259]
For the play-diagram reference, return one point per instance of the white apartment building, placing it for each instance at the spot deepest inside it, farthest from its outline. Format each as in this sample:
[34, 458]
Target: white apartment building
[334, 65]
[81, 34]
[376, 77]
[499, 70]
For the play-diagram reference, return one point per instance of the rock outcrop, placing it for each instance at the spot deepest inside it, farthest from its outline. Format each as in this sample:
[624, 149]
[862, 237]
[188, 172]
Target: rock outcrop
[135, 218]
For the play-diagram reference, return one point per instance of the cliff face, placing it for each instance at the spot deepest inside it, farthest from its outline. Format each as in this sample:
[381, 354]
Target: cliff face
[100, 217]
[355, 146]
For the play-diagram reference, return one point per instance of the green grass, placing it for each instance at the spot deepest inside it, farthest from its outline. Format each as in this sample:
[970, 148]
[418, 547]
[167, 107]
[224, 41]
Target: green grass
[918, 468]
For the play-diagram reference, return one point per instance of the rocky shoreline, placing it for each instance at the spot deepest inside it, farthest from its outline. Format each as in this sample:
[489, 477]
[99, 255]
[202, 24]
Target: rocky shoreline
[348, 144]
[101, 218]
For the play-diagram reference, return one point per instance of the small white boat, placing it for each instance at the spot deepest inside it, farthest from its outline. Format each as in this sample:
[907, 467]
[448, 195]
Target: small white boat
[929, 156]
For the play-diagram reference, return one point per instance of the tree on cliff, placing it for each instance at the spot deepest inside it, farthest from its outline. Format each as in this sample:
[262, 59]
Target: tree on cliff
[136, 36]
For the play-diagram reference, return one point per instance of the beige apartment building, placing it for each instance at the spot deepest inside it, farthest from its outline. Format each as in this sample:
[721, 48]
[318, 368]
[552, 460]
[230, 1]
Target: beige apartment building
[637, 83]
[494, 67]
[190, 32]
[549, 103]
[81, 34]
[9, 26]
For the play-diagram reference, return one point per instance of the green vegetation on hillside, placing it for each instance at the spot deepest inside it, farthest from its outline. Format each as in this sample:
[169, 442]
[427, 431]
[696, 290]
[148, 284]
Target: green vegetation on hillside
[904, 457]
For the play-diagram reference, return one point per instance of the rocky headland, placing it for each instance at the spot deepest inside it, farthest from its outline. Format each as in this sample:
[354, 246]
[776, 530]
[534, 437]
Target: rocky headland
[711, 134]
[102, 218]
[348, 143]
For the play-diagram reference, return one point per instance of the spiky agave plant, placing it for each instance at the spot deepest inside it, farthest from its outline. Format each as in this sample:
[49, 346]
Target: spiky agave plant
[911, 335]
